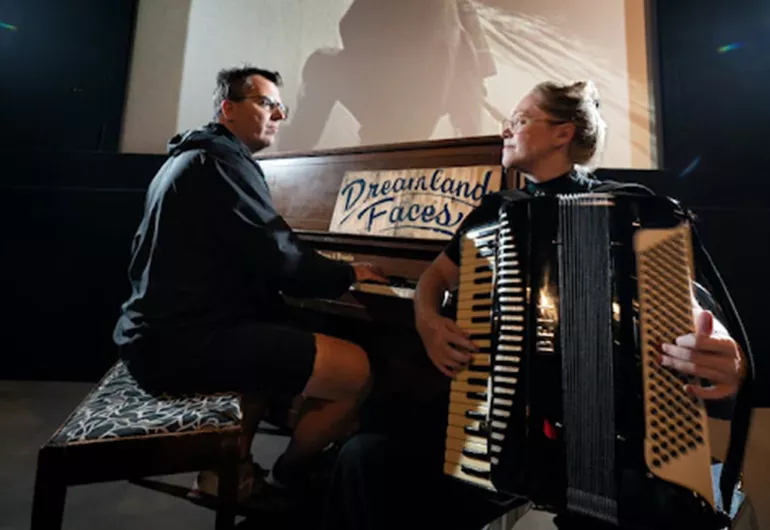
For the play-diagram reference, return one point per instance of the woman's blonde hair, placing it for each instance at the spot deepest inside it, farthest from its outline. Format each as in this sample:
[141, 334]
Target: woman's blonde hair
[577, 103]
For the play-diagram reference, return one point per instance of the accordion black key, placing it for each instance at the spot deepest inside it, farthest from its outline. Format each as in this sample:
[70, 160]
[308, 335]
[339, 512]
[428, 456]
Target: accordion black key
[569, 299]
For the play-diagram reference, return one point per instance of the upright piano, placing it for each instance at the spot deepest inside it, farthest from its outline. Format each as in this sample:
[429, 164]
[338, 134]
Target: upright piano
[380, 318]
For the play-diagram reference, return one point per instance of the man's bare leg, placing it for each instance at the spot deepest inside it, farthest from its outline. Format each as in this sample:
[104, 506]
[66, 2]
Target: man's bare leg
[337, 386]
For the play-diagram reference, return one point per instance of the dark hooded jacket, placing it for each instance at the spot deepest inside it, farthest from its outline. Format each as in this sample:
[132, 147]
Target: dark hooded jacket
[211, 250]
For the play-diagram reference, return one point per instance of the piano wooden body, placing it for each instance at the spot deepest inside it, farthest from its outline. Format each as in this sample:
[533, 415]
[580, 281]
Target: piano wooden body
[304, 187]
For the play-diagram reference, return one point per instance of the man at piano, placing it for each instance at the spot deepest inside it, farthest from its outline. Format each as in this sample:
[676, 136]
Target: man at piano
[209, 262]
[394, 478]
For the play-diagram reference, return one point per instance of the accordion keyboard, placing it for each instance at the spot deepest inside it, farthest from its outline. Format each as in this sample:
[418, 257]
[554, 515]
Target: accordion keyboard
[466, 452]
[506, 360]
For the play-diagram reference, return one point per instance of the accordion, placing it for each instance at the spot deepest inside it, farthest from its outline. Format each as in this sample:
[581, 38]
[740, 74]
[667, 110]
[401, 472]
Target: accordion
[569, 299]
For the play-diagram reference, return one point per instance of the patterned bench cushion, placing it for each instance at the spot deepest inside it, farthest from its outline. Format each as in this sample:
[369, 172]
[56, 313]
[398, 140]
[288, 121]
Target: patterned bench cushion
[118, 408]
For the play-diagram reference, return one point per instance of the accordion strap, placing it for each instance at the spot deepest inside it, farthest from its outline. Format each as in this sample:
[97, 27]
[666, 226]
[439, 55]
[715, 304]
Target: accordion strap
[741, 420]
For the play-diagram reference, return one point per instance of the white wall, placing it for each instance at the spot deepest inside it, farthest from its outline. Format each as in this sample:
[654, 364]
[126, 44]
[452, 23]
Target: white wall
[155, 81]
[394, 71]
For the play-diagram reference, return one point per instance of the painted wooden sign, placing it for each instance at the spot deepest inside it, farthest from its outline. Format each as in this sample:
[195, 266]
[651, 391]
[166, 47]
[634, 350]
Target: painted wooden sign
[414, 203]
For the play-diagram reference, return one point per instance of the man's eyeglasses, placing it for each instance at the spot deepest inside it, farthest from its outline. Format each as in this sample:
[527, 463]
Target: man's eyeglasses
[268, 102]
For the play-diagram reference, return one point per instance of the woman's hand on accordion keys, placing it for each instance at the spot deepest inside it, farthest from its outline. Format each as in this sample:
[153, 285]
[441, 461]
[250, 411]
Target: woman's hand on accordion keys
[712, 356]
[448, 346]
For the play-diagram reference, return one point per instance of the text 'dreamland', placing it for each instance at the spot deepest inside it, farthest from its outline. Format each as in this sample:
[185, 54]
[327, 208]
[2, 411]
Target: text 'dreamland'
[420, 203]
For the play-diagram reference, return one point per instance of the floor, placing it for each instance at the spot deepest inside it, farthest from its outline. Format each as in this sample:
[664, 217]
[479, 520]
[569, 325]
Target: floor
[31, 411]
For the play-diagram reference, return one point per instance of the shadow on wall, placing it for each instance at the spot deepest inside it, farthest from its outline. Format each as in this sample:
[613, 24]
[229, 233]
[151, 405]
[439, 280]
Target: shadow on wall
[404, 65]
[441, 57]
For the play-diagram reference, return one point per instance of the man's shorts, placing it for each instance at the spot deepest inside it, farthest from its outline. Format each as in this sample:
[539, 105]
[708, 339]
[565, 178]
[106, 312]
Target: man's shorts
[253, 358]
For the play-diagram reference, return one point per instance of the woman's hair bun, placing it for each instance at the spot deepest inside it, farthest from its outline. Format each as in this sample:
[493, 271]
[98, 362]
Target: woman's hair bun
[586, 91]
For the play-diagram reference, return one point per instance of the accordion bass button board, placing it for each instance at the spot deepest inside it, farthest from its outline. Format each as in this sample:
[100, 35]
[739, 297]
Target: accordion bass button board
[676, 445]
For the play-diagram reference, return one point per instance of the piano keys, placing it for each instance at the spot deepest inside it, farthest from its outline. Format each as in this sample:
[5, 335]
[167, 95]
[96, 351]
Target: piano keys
[391, 305]
[397, 291]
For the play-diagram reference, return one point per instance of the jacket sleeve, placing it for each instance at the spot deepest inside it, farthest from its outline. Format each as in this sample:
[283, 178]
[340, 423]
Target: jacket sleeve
[269, 245]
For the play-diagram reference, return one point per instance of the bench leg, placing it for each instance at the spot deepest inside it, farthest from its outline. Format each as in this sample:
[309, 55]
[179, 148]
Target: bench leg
[50, 493]
[228, 484]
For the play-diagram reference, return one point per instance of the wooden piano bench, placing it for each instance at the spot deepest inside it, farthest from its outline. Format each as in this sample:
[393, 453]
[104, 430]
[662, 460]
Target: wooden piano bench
[120, 432]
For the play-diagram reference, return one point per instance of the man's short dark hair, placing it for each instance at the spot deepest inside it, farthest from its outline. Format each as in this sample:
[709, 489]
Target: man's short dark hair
[234, 83]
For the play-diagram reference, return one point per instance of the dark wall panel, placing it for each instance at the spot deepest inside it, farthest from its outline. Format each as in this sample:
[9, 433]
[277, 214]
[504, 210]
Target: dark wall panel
[64, 73]
[715, 74]
[68, 221]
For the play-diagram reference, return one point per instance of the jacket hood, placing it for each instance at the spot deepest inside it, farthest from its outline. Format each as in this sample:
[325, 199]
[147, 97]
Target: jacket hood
[213, 137]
